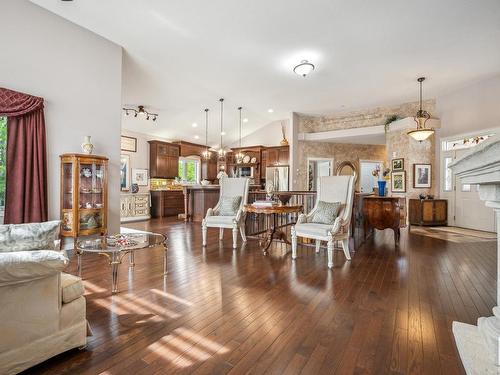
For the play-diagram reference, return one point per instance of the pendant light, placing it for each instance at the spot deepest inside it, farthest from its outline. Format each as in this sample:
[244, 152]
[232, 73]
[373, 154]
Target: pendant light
[239, 156]
[222, 151]
[421, 133]
[206, 153]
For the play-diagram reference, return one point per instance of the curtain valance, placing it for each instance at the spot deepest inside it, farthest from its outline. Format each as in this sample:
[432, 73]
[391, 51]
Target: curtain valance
[14, 103]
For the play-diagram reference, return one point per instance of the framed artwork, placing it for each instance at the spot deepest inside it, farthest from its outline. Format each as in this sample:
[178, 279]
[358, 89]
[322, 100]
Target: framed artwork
[128, 143]
[422, 176]
[140, 177]
[125, 172]
[398, 164]
[398, 182]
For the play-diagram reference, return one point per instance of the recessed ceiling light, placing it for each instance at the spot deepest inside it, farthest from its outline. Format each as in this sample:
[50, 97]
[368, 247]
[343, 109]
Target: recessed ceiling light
[270, 110]
[196, 137]
[222, 133]
[245, 120]
[304, 68]
[194, 124]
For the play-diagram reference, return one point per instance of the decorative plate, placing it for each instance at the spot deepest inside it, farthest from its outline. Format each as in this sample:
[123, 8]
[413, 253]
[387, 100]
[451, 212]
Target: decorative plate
[246, 159]
[254, 160]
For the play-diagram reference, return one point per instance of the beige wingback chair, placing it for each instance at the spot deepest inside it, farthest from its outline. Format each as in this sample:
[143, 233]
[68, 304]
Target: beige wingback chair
[42, 310]
[229, 187]
[330, 189]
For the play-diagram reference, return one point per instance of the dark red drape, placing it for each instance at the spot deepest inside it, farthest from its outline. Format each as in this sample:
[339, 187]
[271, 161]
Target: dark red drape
[26, 185]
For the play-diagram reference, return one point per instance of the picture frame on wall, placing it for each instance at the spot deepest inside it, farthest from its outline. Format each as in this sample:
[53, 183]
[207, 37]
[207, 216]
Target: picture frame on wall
[398, 164]
[398, 182]
[128, 143]
[422, 176]
[140, 176]
[125, 172]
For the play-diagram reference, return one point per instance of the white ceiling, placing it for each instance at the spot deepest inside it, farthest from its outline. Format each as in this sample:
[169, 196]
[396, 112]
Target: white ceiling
[181, 56]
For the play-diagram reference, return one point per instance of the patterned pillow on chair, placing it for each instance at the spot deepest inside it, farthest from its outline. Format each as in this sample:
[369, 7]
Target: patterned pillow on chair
[229, 206]
[326, 212]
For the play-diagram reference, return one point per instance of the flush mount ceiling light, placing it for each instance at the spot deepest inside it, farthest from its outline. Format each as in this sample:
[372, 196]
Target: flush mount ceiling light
[140, 112]
[421, 133]
[194, 124]
[304, 68]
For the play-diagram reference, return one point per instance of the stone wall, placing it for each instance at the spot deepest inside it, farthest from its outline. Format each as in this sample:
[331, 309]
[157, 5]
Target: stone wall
[398, 144]
[339, 152]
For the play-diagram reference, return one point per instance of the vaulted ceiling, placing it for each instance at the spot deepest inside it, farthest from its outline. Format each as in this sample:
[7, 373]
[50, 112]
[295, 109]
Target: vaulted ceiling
[181, 56]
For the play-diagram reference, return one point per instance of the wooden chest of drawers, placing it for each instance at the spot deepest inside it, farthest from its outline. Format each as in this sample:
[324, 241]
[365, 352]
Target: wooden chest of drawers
[384, 213]
[428, 212]
[134, 207]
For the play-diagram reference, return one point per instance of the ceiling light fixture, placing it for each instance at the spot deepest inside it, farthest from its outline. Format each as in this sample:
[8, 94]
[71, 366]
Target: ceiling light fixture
[222, 150]
[196, 137]
[194, 124]
[140, 111]
[304, 68]
[206, 153]
[421, 133]
[270, 110]
[245, 120]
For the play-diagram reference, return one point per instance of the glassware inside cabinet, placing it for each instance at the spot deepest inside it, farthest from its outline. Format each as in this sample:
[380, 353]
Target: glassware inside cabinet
[98, 185]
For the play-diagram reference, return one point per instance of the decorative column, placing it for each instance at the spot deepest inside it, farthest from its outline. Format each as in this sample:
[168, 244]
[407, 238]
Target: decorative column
[478, 346]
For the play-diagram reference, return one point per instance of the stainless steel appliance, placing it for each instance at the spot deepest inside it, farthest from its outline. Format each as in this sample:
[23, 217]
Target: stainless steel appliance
[278, 176]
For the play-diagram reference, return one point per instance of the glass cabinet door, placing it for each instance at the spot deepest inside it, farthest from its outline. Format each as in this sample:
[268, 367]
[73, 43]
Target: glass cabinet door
[91, 196]
[67, 196]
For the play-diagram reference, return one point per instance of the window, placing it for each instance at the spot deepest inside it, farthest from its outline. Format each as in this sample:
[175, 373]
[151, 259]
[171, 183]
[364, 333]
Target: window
[3, 146]
[189, 170]
[458, 144]
[448, 176]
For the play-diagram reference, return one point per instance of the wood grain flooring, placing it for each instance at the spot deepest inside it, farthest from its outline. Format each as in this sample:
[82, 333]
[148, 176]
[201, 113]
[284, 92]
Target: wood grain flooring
[219, 311]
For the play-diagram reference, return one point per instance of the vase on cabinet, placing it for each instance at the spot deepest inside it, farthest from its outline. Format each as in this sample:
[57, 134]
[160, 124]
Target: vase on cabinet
[87, 146]
[381, 188]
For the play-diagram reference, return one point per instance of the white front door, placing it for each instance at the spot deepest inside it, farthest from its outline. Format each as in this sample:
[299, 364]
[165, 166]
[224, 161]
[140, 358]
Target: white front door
[367, 180]
[465, 209]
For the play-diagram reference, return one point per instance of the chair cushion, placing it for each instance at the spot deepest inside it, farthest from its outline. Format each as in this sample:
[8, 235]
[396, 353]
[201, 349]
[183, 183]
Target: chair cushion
[312, 229]
[31, 236]
[72, 287]
[326, 212]
[229, 205]
[218, 220]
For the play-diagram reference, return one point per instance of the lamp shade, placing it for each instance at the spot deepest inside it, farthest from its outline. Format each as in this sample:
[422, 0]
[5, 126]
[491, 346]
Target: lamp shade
[421, 134]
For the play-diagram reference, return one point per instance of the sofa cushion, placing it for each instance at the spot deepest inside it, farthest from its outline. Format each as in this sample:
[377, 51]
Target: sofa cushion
[72, 287]
[19, 266]
[31, 236]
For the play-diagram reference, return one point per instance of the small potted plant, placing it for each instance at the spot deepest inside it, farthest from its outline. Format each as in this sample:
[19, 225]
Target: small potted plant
[382, 176]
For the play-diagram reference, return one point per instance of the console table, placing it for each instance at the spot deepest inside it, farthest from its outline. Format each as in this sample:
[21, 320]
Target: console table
[428, 211]
[384, 213]
[478, 346]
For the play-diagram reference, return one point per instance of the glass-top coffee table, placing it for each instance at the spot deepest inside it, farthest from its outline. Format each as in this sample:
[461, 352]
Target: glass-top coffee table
[115, 247]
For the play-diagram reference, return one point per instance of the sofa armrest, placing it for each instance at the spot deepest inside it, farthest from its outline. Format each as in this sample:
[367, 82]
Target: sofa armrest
[22, 266]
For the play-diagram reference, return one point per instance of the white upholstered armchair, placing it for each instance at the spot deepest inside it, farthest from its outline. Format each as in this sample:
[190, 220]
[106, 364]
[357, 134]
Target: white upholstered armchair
[330, 189]
[217, 218]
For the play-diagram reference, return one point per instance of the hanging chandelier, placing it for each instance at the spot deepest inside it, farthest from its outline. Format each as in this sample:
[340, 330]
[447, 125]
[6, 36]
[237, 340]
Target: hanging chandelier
[222, 151]
[140, 112]
[206, 154]
[421, 133]
[239, 156]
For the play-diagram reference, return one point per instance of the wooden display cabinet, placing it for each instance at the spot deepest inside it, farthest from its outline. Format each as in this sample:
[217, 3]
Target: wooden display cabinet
[84, 194]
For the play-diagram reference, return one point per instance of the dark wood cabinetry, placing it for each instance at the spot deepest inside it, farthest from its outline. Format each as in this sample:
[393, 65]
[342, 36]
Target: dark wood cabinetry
[167, 203]
[428, 211]
[209, 169]
[384, 213]
[163, 159]
[277, 156]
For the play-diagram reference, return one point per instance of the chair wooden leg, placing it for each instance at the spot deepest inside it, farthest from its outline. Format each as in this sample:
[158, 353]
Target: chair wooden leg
[318, 245]
[221, 234]
[235, 237]
[345, 247]
[204, 233]
[242, 232]
[294, 243]
[330, 252]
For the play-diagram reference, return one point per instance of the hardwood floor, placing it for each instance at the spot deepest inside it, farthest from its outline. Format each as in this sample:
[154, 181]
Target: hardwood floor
[221, 311]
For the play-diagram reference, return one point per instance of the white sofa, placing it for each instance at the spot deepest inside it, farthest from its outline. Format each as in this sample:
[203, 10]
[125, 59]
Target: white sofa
[42, 310]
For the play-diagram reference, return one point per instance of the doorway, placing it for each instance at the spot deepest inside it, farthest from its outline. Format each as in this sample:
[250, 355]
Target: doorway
[465, 208]
[367, 180]
[316, 168]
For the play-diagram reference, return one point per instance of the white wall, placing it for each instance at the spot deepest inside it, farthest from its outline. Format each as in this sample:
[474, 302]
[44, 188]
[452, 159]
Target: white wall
[78, 74]
[268, 135]
[472, 108]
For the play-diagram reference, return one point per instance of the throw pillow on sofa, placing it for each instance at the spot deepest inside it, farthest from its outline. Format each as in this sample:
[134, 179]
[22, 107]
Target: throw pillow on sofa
[31, 236]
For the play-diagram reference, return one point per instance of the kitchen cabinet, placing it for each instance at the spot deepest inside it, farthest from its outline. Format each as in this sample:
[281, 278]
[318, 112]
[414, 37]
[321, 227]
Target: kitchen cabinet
[428, 211]
[134, 207]
[163, 159]
[277, 156]
[209, 169]
[167, 203]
